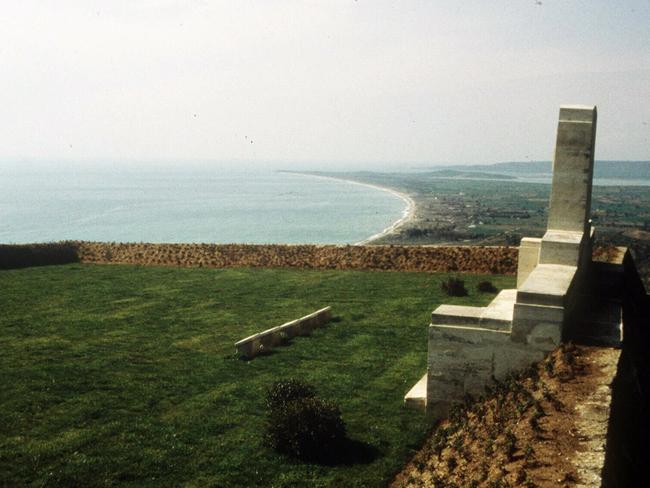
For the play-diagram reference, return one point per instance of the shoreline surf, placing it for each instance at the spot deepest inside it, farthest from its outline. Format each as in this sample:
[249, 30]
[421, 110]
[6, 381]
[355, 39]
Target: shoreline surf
[407, 214]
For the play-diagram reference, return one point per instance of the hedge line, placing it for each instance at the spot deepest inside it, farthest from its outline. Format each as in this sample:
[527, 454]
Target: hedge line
[26, 255]
[471, 259]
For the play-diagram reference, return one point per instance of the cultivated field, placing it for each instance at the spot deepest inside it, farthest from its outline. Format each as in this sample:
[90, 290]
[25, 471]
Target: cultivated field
[126, 375]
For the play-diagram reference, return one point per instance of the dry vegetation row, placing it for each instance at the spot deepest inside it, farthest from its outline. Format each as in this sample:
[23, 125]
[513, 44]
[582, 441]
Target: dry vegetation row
[495, 260]
[462, 259]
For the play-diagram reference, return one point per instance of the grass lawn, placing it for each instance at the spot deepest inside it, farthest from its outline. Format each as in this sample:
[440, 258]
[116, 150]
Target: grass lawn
[126, 375]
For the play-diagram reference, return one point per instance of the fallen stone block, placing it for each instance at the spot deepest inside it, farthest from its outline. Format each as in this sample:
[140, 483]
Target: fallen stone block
[264, 341]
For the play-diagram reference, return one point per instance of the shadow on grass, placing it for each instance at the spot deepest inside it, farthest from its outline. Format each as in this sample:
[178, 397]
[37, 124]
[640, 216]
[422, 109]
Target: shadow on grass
[354, 452]
[349, 453]
[264, 352]
[261, 354]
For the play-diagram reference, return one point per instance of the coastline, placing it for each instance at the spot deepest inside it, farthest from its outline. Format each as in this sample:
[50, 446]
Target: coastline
[407, 214]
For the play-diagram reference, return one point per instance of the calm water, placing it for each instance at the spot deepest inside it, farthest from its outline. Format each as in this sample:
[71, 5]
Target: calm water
[190, 206]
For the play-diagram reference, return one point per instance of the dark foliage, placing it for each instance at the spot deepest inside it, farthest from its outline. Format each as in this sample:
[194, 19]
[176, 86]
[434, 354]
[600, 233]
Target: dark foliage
[454, 287]
[27, 255]
[302, 425]
[283, 392]
[486, 287]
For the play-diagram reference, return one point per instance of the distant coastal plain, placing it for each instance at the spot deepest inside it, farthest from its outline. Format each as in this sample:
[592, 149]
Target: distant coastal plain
[465, 208]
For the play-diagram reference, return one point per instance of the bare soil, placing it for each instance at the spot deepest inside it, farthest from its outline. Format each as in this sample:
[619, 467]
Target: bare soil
[526, 431]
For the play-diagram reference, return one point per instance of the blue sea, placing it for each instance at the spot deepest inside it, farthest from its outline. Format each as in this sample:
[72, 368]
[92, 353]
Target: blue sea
[174, 205]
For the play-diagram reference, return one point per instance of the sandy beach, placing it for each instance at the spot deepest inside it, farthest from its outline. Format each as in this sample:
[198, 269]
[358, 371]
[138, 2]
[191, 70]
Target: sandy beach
[407, 214]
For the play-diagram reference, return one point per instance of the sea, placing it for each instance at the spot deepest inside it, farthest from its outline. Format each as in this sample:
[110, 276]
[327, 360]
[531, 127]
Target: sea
[189, 205]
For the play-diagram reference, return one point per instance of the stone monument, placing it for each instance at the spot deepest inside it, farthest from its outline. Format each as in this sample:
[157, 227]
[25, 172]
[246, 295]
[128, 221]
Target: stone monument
[469, 346]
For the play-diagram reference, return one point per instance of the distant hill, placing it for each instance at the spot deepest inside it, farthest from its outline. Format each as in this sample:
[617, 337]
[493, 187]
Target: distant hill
[603, 169]
[455, 173]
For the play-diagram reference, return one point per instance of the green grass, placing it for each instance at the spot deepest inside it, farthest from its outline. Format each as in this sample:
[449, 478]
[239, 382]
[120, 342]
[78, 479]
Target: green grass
[125, 375]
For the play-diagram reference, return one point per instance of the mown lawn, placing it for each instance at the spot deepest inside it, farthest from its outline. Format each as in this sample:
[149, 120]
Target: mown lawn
[126, 375]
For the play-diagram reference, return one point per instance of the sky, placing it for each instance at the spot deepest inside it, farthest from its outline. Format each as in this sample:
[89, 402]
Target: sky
[318, 84]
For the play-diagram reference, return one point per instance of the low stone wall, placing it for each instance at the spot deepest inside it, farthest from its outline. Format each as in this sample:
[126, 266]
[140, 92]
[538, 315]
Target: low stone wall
[463, 259]
[256, 344]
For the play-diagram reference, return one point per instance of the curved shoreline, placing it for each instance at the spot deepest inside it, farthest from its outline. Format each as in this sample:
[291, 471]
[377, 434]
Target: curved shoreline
[407, 214]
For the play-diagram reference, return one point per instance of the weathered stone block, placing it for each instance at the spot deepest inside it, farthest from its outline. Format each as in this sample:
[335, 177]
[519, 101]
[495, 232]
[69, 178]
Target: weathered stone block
[514, 357]
[561, 247]
[417, 396]
[573, 169]
[545, 336]
[528, 316]
[548, 284]
[528, 258]
[461, 360]
[456, 314]
[498, 314]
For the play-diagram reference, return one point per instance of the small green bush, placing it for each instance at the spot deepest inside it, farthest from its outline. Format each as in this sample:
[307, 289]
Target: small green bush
[283, 392]
[486, 287]
[302, 425]
[454, 287]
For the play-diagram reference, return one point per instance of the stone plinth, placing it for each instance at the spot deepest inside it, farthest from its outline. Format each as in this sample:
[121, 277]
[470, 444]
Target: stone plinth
[462, 360]
[468, 346]
[528, 258]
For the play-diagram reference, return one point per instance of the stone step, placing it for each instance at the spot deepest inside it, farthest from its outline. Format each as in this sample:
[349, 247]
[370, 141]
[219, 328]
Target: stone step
[498, 314]
[416, 398]
[457, 315]
[547, 285]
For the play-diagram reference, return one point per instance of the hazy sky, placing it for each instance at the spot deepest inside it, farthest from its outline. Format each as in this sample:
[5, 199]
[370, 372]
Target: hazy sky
[319, 83]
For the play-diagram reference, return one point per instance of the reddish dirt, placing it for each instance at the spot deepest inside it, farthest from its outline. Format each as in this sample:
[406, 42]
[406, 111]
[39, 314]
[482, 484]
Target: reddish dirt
[609, 254]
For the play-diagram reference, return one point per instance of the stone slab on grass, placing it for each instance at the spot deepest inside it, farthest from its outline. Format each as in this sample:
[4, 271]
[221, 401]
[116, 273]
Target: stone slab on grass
[264, 341]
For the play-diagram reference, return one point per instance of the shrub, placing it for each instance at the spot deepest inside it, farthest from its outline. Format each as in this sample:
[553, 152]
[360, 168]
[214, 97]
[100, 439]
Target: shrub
[486, 287]
[302, 425]
[454, 287]
[283, 392]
